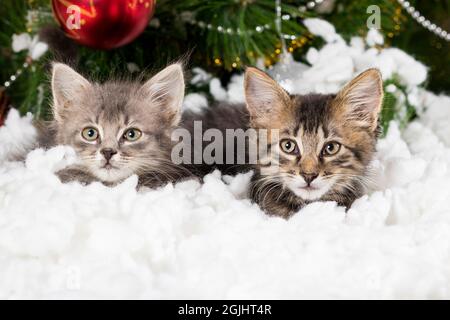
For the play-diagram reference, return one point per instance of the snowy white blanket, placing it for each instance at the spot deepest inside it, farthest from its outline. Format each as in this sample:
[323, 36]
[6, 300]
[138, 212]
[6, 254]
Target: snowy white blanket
[208, 241]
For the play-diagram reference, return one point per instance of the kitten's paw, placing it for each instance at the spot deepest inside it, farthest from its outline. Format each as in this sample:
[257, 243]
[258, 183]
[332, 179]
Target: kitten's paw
[72, 174]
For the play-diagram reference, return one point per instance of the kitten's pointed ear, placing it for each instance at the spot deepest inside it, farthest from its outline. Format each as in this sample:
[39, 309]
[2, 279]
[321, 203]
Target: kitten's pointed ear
[266, 99]
[360, 101]
[68, 87]
[166, 91]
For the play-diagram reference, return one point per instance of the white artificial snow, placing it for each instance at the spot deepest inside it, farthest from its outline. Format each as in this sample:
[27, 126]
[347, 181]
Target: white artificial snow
[17, 136]
[322, 28]
[374, 37]
[219, 93]
[199, 76]
[194, 240]
[338, 62]
[195, 102]
[23, 41]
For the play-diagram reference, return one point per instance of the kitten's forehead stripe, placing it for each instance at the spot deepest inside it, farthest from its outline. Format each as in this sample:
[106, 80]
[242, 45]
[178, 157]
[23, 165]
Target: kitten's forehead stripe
[325, 131]
[312, 111]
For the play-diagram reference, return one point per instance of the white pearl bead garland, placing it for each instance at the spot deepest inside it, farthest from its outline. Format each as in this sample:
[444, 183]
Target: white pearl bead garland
[13, 78]
[310, 5]
[258, 29]
[423, 21]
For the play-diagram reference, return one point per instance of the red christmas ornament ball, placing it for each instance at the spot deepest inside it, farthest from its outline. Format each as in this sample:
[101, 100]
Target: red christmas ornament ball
[103, 24]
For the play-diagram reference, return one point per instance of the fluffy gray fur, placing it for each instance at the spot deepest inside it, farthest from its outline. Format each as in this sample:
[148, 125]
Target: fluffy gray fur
[113, 108]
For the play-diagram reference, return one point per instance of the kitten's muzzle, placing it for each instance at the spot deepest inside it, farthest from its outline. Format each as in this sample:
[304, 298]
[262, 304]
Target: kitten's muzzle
[108, 153]
[309, 177]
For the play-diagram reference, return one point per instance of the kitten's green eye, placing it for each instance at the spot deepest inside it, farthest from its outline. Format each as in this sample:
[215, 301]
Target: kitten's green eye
[289, 146]
[132, 134]
[89, 134]
[331, 148]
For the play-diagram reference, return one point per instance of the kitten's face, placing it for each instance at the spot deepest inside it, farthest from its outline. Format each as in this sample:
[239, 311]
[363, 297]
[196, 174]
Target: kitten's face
[117, 129]
[317, 152]
[325, 142]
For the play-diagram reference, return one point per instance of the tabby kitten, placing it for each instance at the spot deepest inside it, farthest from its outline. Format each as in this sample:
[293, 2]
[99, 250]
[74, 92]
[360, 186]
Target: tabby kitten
[324, 146]
[319, 146]
[117, 128]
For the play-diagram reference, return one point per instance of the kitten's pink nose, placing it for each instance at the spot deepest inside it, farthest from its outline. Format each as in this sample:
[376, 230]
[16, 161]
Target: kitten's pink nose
[309, 177]
[108, 153]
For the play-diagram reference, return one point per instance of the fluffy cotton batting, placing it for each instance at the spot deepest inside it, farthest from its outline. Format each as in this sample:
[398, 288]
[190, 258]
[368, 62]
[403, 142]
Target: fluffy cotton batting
[192, 240]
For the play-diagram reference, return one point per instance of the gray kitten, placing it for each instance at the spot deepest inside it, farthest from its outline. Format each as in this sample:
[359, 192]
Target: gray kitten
[117, 128]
